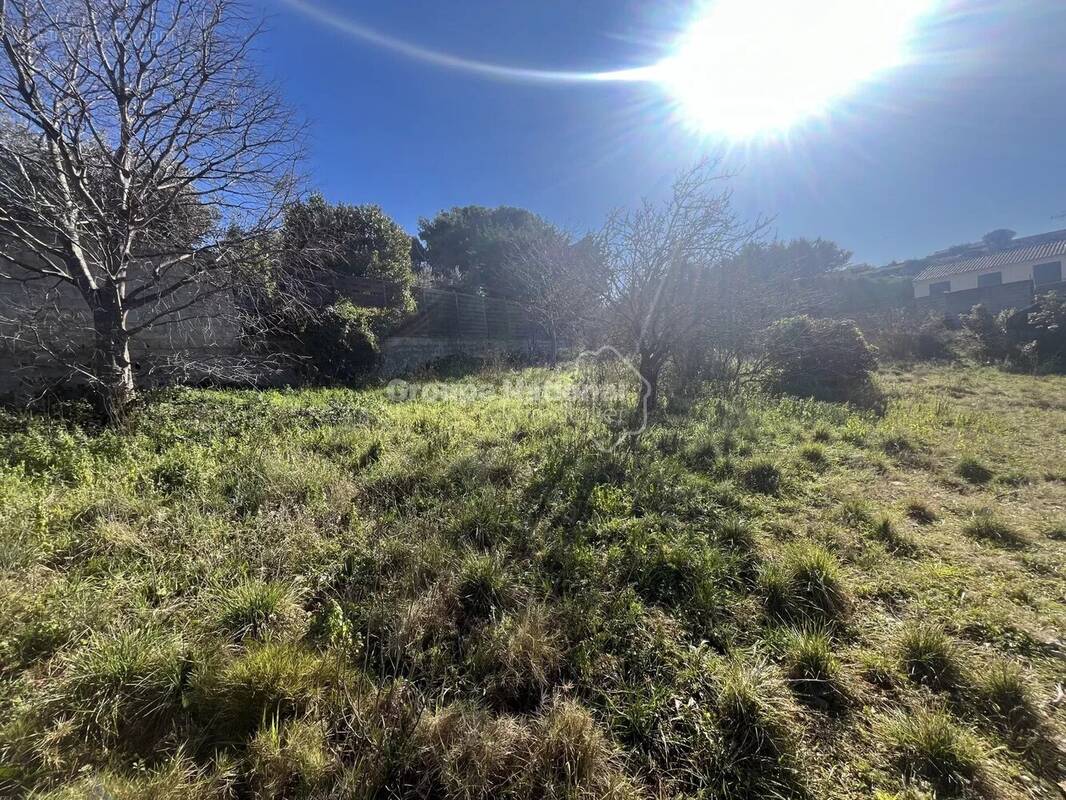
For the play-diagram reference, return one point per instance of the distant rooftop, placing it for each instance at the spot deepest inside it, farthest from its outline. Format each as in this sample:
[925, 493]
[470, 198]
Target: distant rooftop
[1028, 248]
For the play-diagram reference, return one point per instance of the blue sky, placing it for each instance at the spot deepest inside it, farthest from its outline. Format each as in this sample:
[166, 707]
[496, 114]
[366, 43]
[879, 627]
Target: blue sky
[969, 137]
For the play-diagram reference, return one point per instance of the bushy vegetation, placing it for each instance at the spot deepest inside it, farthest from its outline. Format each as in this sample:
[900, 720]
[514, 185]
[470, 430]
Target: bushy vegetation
[327, 245]
[322, 594]
[909, 337]
[1033, 339]
[825, 359]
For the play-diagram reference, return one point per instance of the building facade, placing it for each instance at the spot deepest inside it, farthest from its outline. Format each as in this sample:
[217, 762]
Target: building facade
[1007, 278]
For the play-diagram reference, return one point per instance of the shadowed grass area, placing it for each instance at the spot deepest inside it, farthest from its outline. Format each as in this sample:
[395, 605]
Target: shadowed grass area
[986, 526]
[319, 593]
[972, 470]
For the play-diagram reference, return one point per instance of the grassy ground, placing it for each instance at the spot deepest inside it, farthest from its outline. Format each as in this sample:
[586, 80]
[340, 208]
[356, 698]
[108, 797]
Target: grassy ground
[323, 594]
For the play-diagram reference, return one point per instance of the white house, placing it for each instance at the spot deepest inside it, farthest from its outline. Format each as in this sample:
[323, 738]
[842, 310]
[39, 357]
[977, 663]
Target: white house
[999, 279]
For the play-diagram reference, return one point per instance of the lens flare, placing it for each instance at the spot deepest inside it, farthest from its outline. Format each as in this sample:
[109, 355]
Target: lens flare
[742, 68]
[748, 67]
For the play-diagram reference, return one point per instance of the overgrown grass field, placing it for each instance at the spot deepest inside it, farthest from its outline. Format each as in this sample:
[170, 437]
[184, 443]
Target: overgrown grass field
[320, 593]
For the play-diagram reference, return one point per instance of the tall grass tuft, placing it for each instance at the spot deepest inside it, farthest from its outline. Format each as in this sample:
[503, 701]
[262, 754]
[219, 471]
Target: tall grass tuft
[814, 671]
[275, 680]
[806, 584]
[123, 685]
[518, 659]
[973, 471]
[756, 756]
[255, 609]
[762, 476]
[1006, 695]
[929, 656]
[892, 538]
[929, 746]
[483, 587]
[920, 512]
[289, 759]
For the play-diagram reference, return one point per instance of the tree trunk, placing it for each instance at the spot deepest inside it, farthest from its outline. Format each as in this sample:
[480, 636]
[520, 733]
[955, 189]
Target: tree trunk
[112, 367]
[650, 368]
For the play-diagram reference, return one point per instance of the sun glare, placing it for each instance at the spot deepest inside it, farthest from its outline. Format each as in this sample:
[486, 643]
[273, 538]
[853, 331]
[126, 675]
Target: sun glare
[750, 67]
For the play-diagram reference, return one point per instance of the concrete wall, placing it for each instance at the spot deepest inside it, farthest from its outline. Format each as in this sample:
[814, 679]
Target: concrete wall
[204, 342]
[46, 335]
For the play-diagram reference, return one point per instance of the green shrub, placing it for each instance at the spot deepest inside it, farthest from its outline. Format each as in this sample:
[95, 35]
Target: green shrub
[821, 358]
[1044, 333]
[929, 656]
[931, 747]
[909, 339]
[1033, 339]
[989, 332]
[331, 243]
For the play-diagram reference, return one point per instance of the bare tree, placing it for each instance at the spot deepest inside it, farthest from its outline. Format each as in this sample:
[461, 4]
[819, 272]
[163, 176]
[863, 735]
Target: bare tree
[661, 257]
[560, 281]
[143, 161]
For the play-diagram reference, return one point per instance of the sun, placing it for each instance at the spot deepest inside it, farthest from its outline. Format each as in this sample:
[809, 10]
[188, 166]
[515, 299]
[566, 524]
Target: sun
[745, 68]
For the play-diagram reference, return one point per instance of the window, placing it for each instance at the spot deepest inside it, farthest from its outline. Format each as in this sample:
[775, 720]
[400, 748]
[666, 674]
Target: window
[1047, 273]
[990, 279]
[940, 288]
